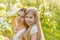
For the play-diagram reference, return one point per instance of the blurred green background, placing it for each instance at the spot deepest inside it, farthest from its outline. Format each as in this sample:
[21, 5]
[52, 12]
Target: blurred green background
[49, 15]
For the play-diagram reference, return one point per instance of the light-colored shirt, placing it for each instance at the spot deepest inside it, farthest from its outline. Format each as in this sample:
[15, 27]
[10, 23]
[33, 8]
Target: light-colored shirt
[34, 29]
[21, 31]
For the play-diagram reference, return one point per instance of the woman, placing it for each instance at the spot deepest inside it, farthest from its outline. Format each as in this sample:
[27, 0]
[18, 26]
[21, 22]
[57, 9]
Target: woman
[34, 31]
[20, 29]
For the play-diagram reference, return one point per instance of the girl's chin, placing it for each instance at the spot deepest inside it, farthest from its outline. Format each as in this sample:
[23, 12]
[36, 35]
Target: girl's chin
[28, 24]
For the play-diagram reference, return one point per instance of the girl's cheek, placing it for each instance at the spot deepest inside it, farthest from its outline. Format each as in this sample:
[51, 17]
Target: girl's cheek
[22, 19]
[25, 19]
[32, 20]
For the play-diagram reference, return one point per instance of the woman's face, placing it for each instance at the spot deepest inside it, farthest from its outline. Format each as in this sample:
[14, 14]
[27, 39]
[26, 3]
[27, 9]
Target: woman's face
[29, 19]
[21, 17]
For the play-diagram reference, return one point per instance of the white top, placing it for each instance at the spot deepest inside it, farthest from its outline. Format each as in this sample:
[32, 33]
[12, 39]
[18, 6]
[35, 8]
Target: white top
[34, 29]
[19, 33]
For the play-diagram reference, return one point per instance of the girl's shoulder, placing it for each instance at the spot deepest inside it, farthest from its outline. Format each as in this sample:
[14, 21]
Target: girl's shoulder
[20, 32]
[34, 29]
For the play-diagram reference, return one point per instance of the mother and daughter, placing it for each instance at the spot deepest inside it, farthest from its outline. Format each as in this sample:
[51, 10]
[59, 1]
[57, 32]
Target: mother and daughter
[28, 25]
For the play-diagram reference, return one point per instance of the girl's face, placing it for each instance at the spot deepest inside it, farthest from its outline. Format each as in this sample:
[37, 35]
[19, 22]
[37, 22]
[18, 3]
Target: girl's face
[29, 18]
[21, 17]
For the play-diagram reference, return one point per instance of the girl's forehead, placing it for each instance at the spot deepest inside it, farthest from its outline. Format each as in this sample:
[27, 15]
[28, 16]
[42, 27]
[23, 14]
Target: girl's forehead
[21, 12]
[29, 14]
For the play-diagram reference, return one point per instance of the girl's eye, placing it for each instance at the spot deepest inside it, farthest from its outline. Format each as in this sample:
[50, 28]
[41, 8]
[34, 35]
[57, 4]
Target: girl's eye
[26, 16]
[31, 17]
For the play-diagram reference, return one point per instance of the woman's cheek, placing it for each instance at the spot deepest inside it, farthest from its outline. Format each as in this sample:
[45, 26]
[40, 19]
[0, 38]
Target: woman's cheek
[18, 19]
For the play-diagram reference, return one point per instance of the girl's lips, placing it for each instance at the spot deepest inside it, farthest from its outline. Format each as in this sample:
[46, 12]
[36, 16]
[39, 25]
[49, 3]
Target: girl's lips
[28, 23]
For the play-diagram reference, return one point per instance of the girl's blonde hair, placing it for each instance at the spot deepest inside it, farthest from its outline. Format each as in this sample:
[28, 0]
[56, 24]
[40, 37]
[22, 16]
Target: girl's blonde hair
[37, 21]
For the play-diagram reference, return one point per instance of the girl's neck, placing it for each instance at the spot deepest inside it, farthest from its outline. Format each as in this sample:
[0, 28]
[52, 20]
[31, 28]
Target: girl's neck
[31, 25]
[21, 24]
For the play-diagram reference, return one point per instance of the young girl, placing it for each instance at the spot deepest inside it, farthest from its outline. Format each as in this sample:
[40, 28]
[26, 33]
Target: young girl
[20, 29]
[34, 31]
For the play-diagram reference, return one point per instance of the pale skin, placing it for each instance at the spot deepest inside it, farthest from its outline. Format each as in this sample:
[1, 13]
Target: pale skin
[33, 36]
[21, 24]
[29, 19]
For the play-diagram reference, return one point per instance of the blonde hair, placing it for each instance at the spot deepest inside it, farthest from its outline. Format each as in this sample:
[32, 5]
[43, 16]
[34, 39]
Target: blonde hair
[37, 21]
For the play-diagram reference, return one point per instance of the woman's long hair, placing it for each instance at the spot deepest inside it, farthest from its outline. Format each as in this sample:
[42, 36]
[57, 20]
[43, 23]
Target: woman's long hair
[37, 22]
[14, 19]
[24, 10]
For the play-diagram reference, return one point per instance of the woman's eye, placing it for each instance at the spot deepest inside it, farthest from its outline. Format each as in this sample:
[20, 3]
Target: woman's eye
[22, 16]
